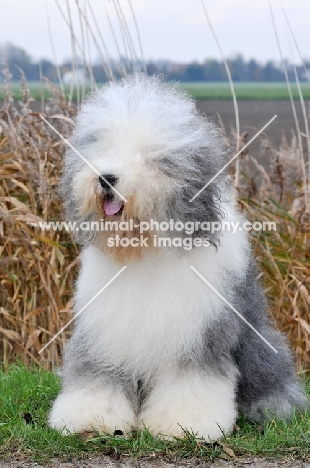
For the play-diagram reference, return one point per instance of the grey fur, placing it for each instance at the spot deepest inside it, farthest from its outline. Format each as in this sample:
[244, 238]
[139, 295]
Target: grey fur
[268, 385]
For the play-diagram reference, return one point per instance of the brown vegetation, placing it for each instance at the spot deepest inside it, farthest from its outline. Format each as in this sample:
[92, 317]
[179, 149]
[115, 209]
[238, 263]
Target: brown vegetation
[37, 268]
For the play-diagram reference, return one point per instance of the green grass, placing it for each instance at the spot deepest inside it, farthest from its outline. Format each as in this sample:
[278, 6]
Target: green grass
[250, 91]
[26, 396]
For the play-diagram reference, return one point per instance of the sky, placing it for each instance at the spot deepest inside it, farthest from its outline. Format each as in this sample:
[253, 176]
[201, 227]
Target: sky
[170, 29]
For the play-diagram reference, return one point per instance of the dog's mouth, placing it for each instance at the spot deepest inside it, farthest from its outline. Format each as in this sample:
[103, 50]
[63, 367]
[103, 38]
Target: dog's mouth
[110, 204]
[112, 207]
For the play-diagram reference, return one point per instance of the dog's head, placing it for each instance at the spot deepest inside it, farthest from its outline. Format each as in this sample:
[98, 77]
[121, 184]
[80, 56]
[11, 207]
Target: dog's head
[149, 152]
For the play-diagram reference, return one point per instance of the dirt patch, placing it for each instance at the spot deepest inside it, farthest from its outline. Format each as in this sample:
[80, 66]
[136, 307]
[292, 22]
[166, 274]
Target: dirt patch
[254, 115]
[159, 463]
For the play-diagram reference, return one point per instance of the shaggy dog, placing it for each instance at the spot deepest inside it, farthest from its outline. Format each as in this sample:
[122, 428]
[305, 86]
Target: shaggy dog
[158, 347]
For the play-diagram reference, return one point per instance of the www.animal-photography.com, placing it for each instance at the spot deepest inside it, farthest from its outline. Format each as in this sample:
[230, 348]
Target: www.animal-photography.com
[154, 220]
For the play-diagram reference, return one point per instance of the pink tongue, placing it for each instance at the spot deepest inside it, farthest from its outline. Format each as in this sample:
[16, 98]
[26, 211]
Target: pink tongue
[111, 207]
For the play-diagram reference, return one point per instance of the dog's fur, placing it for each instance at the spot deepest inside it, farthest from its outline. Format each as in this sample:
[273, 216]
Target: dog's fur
[158, 348]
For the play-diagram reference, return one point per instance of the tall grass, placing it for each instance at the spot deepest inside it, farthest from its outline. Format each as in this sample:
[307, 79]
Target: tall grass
[37, 269]
[277, 194]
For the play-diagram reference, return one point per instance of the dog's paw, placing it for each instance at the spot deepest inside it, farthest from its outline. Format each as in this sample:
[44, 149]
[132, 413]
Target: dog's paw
[101, 409]
[280, 404]
[174, 423]
[204, 407]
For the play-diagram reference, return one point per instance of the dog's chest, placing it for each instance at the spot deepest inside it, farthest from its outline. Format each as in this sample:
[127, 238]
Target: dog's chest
[150, 314]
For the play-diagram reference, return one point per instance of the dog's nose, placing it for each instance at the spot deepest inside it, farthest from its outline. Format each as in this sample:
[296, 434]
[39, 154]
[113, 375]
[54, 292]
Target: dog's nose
[110, 178]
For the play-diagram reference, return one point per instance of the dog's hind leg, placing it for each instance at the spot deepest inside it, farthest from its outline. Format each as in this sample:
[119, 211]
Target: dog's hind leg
[268, 386]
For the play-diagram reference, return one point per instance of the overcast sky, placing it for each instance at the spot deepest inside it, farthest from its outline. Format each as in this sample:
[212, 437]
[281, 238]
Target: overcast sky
[170, 29]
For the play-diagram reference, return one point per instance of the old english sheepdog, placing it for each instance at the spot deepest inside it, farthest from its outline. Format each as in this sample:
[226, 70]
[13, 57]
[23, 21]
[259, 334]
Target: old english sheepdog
[158, 347]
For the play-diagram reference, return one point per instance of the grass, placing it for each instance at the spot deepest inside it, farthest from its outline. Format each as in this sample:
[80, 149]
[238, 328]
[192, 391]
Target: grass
[207, 90]
[26, 396]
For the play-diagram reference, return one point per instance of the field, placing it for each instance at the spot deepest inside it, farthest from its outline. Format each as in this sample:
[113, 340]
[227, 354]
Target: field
[244, 91]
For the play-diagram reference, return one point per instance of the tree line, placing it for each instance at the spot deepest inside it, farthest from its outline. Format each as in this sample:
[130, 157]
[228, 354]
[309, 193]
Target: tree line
[211, 70]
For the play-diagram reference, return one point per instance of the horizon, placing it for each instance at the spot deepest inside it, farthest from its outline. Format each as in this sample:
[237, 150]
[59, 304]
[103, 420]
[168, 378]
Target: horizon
[96, 61]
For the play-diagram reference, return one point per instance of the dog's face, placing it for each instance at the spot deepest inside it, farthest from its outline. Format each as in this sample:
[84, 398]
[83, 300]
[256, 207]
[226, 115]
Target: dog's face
[149, 152]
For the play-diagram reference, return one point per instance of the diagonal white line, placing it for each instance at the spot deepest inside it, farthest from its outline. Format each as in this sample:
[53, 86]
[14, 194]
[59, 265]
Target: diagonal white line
[83, 308]
[82, 157]
[232, 159]
[235, 310]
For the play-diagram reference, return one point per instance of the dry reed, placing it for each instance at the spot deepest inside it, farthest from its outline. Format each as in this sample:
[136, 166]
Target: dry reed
[277, 193]
[37, 268]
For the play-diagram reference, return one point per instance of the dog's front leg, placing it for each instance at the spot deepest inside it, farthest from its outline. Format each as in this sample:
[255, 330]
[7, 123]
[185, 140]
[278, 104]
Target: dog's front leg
[101, 406]
[195, 400]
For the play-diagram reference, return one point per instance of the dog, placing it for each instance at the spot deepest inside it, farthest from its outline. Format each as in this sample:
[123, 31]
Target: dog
[161, 346]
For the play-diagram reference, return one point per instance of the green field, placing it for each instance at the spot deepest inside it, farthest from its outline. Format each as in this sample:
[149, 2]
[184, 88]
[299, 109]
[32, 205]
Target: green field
[245, 91]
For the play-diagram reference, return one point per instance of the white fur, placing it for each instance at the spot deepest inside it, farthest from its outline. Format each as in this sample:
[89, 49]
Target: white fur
[141, 117]
[93, 407]
[144, 332]
[201, 403]
[133, 130]
[158, 308]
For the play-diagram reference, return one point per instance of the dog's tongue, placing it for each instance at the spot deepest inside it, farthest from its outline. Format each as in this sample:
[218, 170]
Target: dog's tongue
[111, 207]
